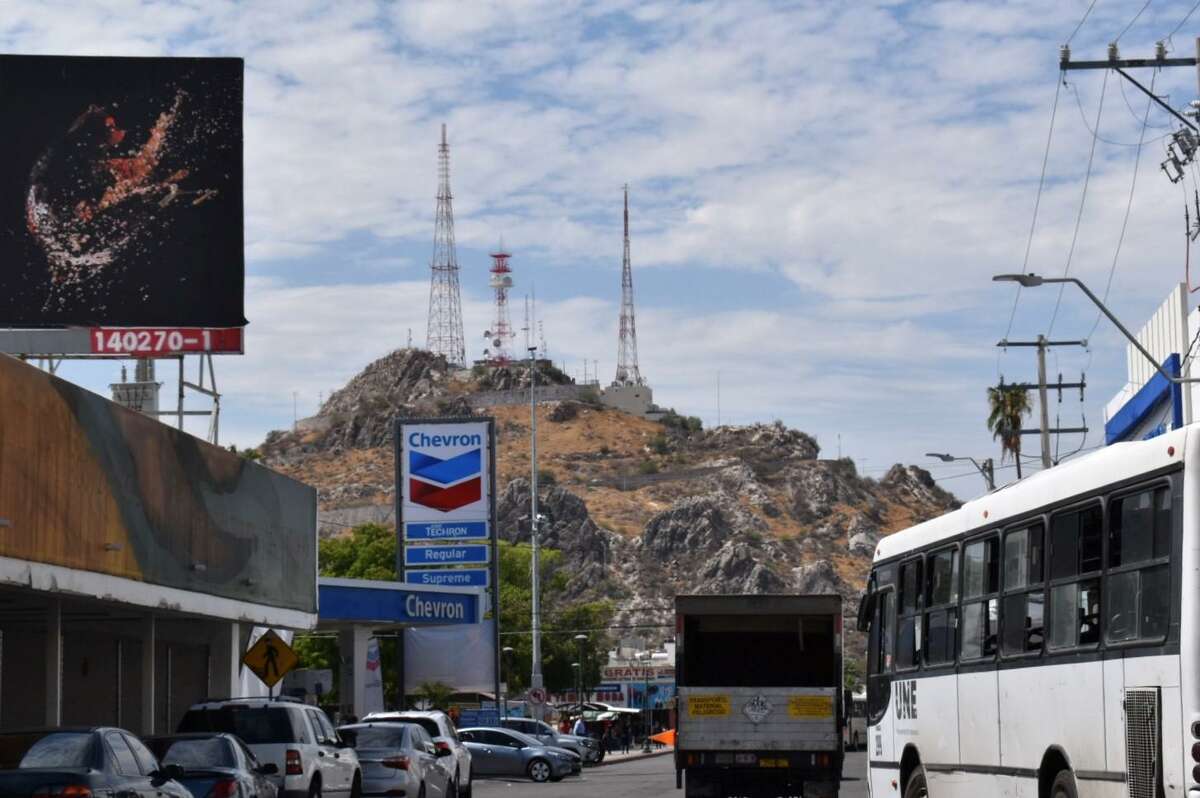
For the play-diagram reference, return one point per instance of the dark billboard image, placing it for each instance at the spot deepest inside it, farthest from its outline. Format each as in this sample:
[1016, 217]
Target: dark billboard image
[121, 192]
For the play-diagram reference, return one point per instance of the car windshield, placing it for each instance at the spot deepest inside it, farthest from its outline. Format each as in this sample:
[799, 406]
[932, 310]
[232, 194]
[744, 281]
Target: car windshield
[255, 725]
[363, 737]
[59, 750]
[198, 754]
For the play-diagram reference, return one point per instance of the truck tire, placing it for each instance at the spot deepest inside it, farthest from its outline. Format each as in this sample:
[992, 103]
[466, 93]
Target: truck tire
[916, 785]
[1064, 785]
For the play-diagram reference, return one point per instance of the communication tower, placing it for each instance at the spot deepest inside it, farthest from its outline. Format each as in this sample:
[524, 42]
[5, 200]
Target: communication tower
[501, 334]
[444, 335]
[627, 357]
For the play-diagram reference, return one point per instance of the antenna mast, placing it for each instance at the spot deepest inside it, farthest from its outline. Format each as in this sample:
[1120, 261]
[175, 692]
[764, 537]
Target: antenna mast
[627, 357]
[444, 335]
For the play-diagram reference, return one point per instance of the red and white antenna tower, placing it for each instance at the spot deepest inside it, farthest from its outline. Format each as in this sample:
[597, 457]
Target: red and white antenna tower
[444, 335]
[501, 334]
[627, 357]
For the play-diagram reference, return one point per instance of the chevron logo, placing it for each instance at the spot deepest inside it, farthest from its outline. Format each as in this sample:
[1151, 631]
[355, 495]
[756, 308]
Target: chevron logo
[445, 485]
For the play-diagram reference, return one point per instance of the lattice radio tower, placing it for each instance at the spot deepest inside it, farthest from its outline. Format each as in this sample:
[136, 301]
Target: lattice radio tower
[444, 335]
[627, 357]
[501, 334]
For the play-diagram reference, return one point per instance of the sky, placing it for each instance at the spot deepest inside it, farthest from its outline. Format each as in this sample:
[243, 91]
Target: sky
[820, 193]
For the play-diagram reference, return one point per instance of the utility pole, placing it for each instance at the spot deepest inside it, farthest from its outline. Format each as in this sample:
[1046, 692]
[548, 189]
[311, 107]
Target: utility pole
[535, 676]
[1044, 429]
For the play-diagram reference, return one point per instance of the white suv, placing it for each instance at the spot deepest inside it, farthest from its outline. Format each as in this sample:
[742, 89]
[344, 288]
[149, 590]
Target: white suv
[312, 760]
[444, 735]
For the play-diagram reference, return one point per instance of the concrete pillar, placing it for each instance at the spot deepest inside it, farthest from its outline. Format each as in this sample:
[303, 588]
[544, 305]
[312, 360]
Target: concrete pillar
[352, 650]
[54, 670]
[224, 660]
[149, 671]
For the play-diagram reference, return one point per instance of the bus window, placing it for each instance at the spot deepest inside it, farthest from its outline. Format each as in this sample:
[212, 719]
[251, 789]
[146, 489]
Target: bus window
[1022, 607]
[908, 627]
[980, 614]
[941, 619]
[1138, 585]
[1075, 558]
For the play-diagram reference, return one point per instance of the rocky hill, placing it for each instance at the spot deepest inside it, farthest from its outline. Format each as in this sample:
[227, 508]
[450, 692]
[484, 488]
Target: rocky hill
[641, 510]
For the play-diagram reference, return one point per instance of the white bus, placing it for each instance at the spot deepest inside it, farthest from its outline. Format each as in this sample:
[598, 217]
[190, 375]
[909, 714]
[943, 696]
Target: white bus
[1044, 640]
[854, 733]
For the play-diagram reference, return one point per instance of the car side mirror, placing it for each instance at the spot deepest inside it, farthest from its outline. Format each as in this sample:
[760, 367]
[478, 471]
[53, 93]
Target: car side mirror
[269, 769]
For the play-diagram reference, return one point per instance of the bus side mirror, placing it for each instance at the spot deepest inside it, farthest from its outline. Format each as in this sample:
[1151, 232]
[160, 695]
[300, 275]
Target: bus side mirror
[866, 608]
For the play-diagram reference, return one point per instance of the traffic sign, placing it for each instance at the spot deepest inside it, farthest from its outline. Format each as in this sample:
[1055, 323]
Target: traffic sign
[270, 658]
[537, 695]
[446, 555]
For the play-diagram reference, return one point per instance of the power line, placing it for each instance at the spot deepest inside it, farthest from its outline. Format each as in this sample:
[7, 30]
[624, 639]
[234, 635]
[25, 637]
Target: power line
[1081, 21]
[1182, 21]
[1135, 19]
[1096, 133]
[1129, 105]
[1037, 203]
[1137, 159]
[1087, 179]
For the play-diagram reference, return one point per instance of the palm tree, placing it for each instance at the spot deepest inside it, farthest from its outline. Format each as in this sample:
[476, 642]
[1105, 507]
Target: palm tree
[1008, 406]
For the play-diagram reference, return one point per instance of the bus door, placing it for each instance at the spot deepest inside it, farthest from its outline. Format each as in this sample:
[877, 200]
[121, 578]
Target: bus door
[880, 667]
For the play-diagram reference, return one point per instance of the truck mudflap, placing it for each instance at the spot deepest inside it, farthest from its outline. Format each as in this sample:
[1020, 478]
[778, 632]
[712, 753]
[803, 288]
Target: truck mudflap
[737, 783]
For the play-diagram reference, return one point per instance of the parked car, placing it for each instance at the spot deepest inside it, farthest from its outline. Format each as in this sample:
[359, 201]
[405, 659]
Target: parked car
[587, 748]
[400, 759]
[298, 739]
[441, 729]
[83, 762]
[216, 765]
[504, 752]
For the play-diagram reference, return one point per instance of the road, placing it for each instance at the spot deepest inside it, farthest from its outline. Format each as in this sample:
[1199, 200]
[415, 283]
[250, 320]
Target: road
[643, 778]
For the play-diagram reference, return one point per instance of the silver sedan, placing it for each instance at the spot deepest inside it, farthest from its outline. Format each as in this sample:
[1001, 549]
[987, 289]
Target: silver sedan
[503, 752]
[399, 759]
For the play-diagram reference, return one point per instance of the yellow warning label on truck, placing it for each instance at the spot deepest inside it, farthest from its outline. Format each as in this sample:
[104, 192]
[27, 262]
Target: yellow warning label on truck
[810, 706]
[708, 706]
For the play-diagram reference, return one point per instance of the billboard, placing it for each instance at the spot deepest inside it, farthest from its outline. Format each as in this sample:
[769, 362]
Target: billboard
[89, 485]
[121, 192]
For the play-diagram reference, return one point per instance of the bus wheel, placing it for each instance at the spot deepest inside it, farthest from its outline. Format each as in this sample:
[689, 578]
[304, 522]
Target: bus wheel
[916, 784]
[1064, 785]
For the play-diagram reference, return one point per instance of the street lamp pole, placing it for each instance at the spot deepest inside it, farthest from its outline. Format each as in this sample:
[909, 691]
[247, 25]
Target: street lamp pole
[1035, 280]
[580, 639]
[535, 676]
[986, 470]
[646, 658]
[507, 651]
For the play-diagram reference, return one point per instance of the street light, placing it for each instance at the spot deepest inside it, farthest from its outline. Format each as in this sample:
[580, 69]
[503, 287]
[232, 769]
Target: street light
[645, 657]
[1035, 280]
[580, 639]
[986, 469]
[535, 675]
[507, 651]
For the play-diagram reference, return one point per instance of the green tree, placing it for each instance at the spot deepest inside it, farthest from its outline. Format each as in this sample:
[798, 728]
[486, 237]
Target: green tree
[1007, 408]
[436, 694]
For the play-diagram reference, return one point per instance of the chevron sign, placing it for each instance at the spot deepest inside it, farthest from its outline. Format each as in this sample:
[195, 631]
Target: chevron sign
[446, 474]
[445, 484]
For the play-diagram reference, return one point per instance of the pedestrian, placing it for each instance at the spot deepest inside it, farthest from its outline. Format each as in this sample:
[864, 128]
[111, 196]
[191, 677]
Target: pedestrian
[580, 729]
[626, 739]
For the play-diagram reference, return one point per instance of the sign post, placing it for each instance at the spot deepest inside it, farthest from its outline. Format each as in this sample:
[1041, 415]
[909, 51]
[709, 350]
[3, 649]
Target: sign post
[446, 511]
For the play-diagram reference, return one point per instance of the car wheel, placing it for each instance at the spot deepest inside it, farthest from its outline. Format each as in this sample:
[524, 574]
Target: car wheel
[452, 787]
[356, 787]
[421, 793]
[539, 770]
[916, 785]
[314, 789]
[465, 792]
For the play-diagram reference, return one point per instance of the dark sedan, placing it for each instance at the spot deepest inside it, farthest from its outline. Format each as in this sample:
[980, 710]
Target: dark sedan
[216, 765]
[80, 763]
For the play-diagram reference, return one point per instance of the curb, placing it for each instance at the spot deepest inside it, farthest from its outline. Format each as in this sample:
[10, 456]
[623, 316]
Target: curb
[632, 758]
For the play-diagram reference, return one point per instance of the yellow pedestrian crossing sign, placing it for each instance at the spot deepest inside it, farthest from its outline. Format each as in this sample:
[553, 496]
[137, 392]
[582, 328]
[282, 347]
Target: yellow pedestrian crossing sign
[270, 658]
